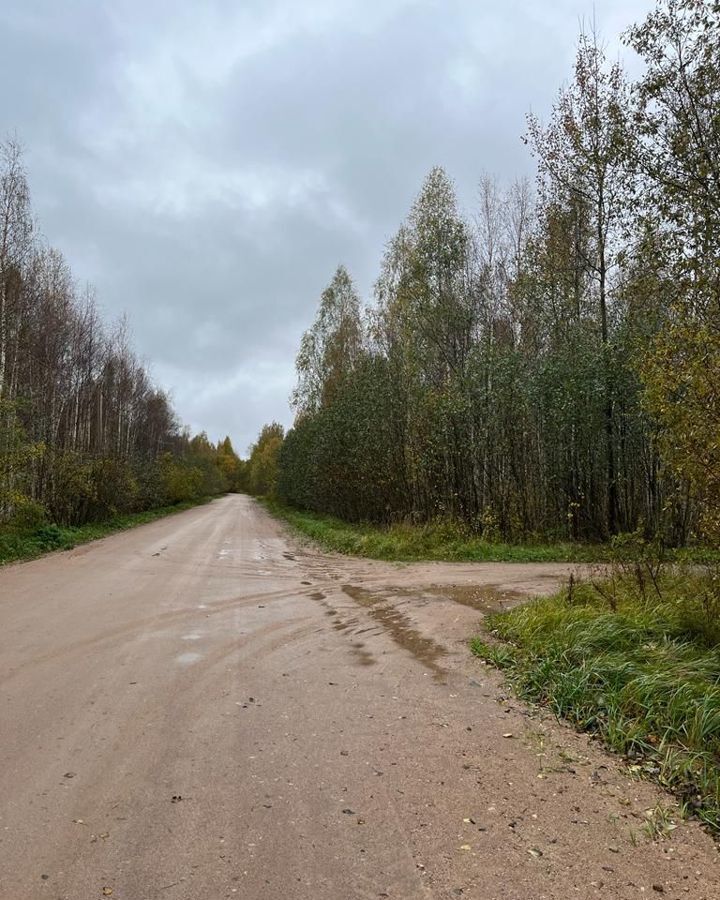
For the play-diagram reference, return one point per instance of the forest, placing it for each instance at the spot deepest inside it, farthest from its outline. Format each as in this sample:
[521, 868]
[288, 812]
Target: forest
[548, 365]
[85, 434]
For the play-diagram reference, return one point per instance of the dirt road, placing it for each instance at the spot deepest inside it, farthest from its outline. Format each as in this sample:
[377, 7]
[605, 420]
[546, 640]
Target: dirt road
[202, 709]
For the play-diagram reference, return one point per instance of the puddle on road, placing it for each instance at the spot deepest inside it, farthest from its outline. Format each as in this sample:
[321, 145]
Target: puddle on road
[398, 626]
[187, 659]
[486, 599]
[364, 657]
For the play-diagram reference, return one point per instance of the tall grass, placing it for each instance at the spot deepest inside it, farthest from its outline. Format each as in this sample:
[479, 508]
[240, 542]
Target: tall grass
[449, 541]
[639, 668]
[441, 540]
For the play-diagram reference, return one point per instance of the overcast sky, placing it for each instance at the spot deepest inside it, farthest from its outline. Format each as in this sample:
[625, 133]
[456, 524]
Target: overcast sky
[206, 165]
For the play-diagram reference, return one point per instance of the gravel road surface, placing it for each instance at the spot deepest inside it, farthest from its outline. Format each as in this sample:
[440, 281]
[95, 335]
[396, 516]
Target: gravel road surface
[204, 708]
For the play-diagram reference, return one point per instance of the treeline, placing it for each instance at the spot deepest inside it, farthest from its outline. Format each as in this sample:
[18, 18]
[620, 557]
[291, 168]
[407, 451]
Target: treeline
[549, 365]
[84, 432]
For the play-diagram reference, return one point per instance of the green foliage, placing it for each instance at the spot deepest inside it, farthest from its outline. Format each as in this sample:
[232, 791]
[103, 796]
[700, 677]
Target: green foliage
[262, 466]
[27, 513]
[229, 465]
[474, 395]
[79, 489]
[179, 480]
[329, 350]
[344, 459]
[18, 455]
[682, 378]
[638, 667]
[679, 127]
[545, 367]
[49, 537]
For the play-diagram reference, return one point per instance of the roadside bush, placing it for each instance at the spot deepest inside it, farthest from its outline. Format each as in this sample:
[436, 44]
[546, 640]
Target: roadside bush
[116, 489]
[179, 480]
[49, 537]
[26, 513]
[71, 488]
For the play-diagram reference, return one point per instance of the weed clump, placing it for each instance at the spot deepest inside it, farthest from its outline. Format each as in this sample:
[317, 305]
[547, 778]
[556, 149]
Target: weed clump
[634, 658]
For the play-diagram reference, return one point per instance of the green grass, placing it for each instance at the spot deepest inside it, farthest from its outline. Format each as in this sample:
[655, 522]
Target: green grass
[21, 544]
[436, 541]
[640, 668]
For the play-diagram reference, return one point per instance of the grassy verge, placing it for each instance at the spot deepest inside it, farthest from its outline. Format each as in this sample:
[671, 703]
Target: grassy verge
[637, 666]
[436, 541]
[19, 544]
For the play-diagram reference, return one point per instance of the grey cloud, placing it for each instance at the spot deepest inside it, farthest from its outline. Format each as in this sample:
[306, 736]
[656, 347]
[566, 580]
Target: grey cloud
[207, 166]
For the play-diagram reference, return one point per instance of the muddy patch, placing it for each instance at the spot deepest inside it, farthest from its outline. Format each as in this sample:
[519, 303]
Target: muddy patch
[187, 659]
[487, 599]
[362, 656]
[400, 629]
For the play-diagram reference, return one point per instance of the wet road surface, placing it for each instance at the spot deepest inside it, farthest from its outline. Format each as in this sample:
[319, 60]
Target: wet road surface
[202, 708]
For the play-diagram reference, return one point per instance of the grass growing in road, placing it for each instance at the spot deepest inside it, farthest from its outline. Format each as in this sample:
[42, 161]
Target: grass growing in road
[442, 541]
[636, 663]
[17, 544]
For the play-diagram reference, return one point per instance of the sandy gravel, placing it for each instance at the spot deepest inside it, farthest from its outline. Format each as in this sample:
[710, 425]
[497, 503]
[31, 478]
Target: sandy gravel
[202, 708]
